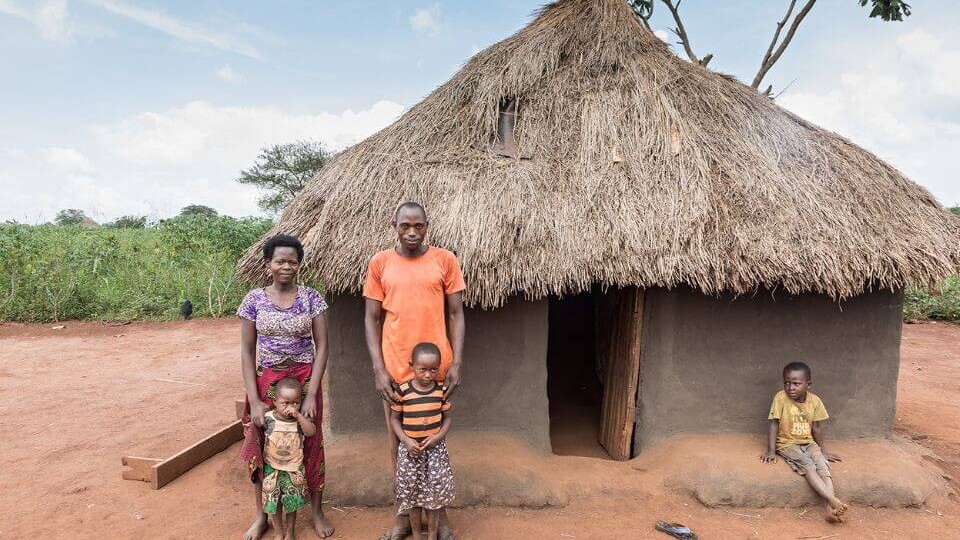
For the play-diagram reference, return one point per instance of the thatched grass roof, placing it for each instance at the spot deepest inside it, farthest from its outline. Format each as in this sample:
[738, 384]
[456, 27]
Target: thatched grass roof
[640, 169]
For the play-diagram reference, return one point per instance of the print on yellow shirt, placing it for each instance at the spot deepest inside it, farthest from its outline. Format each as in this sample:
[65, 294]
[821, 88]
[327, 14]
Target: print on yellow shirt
[796, 419]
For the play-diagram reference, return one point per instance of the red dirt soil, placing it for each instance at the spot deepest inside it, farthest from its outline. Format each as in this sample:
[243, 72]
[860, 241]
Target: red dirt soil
[74, 400]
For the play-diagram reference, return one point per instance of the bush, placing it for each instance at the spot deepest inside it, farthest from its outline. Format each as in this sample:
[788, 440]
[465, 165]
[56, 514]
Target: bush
[51, 273]
[941, 302]
[70, 216]
[128, 222]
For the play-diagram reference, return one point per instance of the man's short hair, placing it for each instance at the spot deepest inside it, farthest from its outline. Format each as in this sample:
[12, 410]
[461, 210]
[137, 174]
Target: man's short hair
[798, 366]
[410, 204]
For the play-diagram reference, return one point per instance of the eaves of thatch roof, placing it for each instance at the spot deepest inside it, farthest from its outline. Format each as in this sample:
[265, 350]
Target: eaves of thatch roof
[636, 168]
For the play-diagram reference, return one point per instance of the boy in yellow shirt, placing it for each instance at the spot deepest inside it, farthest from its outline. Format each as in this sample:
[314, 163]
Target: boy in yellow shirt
[795, 434]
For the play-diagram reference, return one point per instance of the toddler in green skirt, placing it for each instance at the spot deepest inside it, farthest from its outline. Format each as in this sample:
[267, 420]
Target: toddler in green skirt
[284, 480]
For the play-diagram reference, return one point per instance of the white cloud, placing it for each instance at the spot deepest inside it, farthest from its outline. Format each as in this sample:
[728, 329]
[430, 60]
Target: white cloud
[927, 52]
[227, 74]
[426, 20]
[67, 160]
[179, 29]
[918, 42]
[900, 110]
[51, 18]
[155, 163]
[662, 34]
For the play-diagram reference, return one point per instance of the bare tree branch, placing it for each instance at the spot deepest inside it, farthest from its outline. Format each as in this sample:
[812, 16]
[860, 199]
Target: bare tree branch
[680, 31]
[780, 93]
[770, 59]
[776, 35]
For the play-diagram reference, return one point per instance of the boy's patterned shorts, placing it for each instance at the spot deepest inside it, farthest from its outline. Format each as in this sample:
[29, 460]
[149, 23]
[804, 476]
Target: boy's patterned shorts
[283, 490]
[424, 481]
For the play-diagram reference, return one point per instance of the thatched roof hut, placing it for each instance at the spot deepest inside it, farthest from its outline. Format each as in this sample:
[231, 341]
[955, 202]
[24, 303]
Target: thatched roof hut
[660, 190]
[636, 168]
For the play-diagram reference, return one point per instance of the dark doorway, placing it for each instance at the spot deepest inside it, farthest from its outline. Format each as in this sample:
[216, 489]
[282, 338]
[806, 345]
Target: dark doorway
[573, 384]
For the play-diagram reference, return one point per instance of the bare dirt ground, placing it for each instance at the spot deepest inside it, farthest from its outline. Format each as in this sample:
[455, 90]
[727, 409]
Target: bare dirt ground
[74, 400]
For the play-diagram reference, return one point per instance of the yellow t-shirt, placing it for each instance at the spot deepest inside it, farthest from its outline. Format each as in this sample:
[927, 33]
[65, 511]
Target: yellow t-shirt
[796, 419]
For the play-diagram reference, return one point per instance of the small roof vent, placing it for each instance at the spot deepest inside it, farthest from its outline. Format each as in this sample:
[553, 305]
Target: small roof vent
[505, 144]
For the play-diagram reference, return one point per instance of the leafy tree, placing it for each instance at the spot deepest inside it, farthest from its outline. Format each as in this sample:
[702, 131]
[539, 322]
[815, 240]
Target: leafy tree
[69, 216]
[283, 170]
[129, 222]
[887, 10]
[198, 210]
[955, 209]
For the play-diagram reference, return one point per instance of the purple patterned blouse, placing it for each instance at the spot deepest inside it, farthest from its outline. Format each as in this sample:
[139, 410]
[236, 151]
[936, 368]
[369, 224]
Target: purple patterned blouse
[283, 334]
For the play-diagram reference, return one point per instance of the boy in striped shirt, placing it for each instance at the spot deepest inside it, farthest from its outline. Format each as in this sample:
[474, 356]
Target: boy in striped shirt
[421, 418]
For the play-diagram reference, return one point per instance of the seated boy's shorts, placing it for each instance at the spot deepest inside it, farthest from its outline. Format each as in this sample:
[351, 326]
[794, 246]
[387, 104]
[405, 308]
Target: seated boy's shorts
[801, 456]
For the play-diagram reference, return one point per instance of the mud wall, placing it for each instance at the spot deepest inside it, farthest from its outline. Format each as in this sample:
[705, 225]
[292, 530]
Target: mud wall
[505, 372]
[712, 365]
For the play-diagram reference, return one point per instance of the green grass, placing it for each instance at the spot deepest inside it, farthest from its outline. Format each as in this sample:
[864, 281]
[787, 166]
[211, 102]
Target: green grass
[942, 303]
[51, 273]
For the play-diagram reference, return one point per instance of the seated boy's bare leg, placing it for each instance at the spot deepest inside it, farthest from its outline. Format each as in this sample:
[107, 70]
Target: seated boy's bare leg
[415, 523]
[432, 524]
[823, 471]
[290, 526]
[320, 522]
[259, 524]
[834, 514]
[828, 481]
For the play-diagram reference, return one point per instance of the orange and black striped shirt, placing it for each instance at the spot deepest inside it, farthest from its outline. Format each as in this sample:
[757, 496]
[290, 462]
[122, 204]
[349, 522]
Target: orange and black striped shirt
[421, 412]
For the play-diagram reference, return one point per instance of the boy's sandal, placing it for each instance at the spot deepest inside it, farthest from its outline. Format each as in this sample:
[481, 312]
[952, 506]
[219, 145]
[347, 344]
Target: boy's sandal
[676, 530]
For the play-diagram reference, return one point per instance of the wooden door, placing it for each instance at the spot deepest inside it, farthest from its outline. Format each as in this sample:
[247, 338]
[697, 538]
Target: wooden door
[622, 374]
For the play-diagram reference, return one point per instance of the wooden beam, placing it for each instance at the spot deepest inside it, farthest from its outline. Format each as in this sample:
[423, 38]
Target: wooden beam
[161, 472]
[141, 468]
[240, 406]
[186, 459]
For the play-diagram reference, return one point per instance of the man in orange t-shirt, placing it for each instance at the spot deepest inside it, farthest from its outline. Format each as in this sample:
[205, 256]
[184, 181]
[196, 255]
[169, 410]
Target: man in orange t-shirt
[414, 293]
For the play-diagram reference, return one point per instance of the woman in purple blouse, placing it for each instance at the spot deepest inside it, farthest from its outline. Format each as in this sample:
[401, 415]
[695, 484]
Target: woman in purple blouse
[283, 335]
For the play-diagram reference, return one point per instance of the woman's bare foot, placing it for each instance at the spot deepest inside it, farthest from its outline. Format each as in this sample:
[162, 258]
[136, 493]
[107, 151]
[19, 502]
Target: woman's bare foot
[257, 528]
[322, 525]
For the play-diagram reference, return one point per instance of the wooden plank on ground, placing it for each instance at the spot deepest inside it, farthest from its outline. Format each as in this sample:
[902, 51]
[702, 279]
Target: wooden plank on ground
[141, 468]
[186, 459]
[240, 405]
[622, 375]
[160, 472]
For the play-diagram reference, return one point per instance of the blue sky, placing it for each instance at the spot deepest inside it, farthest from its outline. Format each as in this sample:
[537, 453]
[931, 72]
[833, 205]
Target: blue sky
[123, 107]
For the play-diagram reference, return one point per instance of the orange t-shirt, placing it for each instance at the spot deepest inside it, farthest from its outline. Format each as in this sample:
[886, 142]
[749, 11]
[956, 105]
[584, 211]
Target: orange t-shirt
[413, 292]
